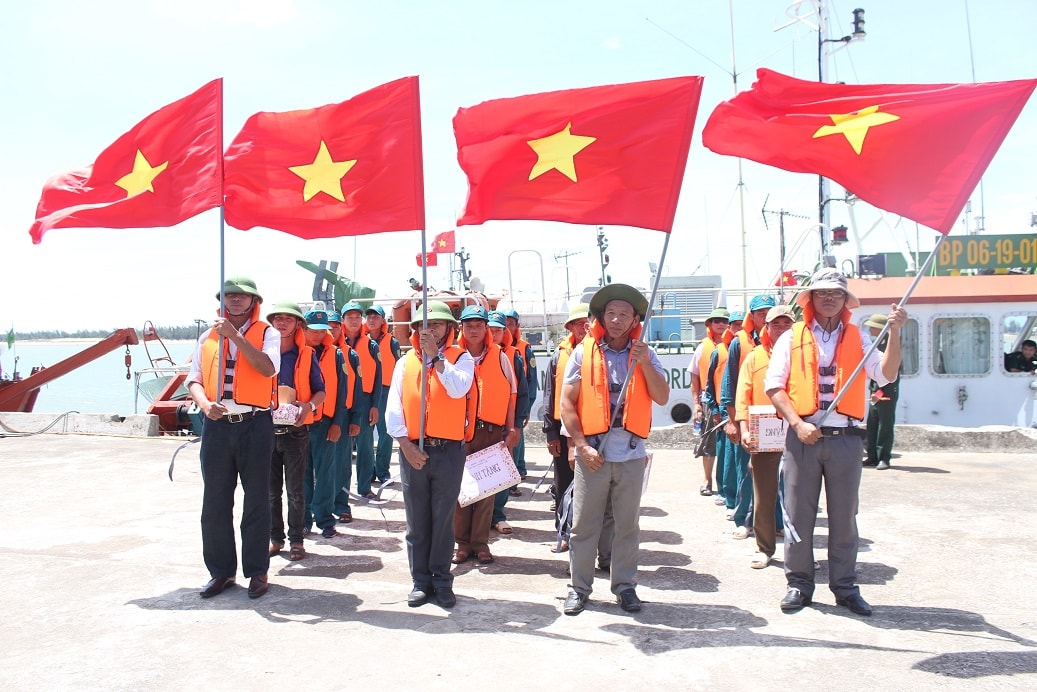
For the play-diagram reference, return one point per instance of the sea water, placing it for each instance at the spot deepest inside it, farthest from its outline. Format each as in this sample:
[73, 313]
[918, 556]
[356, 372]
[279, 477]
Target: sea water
[99, 386]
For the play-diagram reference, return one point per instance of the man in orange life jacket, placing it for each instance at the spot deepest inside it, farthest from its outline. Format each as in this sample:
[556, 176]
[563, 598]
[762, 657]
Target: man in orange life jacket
[593, 380]
[809, 366]
[498, 328]
[558, 444]
[736, 465]
[328, 426]
[716, 325]
[344, 446]
[365, 406]
[431, 477]
[237, 436]
[763, 465]
[726, 474]
[300, 371]
[389, 352]
[530, 373]
[494, 394]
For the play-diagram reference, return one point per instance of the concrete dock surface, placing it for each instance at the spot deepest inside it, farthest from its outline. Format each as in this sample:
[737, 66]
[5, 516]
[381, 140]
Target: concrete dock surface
[101, 567]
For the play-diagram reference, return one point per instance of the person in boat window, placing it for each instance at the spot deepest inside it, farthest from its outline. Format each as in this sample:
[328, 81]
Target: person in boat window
[883, 410]
[299, 374]
[237, 435]
[609, 435]
[805, 375]
[1023, 360]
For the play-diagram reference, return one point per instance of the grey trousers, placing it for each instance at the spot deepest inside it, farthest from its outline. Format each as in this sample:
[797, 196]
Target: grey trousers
[837, 460]
[618, 482]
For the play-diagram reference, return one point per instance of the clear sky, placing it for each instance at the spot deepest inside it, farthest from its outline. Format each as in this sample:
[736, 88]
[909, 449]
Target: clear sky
[77, 75]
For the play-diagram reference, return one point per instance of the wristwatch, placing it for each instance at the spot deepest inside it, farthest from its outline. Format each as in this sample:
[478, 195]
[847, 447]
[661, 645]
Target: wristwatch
[435, 359]
[313, 407]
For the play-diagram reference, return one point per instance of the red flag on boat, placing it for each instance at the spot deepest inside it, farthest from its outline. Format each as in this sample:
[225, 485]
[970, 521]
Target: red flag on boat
[443, 242]
[601, 155]
[349, 168]
[431, 259]
[917, 150]
[163, 171]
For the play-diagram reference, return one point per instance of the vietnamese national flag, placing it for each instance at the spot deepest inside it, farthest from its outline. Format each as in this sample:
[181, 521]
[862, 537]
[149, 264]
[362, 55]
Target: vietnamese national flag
[599, 155]
[443, 242]
[917, 150]
[431, 259]
[349, 168]
[163, 171]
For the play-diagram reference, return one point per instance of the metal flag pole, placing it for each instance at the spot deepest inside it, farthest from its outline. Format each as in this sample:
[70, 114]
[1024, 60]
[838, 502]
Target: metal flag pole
[220, 374]
[424, 325]
[630, 371]
[885, 330]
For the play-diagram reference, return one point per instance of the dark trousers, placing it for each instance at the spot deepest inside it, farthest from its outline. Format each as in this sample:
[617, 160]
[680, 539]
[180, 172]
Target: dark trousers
[230, 451]
[383, 455]
[287, 469]
[429, 499]
[563, 476]
[881, 418]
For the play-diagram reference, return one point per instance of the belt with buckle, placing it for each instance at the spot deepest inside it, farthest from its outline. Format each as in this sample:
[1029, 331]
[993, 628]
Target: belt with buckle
[437, 442]
[282, 429]
[241, 417]
[828, 431]
[489, 427]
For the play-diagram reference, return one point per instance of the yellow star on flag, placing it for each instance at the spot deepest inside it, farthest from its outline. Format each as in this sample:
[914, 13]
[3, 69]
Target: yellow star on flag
[854, 126]
[442, 243]
[323, 175]
[140, 178]
[558, 152]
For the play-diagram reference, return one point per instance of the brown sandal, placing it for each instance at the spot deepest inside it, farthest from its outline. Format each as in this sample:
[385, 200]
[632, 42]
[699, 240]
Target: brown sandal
[484, 557]
[460, 556]
[275, 548]
[296, 553]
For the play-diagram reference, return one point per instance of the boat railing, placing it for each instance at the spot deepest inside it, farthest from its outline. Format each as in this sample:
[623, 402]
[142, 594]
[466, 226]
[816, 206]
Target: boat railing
[150, 388]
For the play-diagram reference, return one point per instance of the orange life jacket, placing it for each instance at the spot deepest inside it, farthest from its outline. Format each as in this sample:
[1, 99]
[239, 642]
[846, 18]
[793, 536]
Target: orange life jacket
[445, 417]
[368, 365]
[593, 405]
[718, 374]
[750, 390]
[327, 368]
[746, 345]
[492, 389]
[565, 349]
[802, 385]
[249, 388]
[386, 354]
[707, 350]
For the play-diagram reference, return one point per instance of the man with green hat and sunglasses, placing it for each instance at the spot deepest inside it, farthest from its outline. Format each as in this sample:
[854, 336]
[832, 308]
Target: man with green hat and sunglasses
[608, 434]
[237, 435]
[431, 466]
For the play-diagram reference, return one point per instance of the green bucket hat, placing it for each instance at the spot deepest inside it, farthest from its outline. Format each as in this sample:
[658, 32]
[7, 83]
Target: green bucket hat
[719, 314]
[437, 310]
[627, 294]
[578, 312]
[240, 284]
[285, 309]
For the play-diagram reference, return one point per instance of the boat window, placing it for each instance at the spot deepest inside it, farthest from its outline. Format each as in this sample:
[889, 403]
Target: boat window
[909, 347]
[1018, 333]
[961, 346]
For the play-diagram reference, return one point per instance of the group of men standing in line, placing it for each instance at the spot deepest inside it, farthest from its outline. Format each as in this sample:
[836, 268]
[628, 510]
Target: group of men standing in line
[459, 390]
[765, 357]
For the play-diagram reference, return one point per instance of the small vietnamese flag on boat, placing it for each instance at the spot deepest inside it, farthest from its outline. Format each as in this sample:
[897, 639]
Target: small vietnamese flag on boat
[443, 242]
[430, 259]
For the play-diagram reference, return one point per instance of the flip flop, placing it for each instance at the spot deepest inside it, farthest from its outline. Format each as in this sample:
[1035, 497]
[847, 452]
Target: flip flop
[760, 560]
[503, 527]
[296, 553]
[705, 491]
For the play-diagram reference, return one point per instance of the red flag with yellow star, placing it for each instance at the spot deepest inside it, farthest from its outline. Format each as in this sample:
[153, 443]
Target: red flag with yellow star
[917, 150]
[600, 155]
[349, 168]
[163, 171]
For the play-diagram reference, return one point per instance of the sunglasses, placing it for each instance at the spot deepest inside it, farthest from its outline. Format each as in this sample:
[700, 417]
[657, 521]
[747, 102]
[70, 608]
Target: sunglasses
[825, 293]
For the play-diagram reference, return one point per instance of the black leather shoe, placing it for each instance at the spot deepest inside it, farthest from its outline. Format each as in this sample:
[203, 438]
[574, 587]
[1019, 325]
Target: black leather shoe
[629, 601]
[794, 600]
[419, 596]
[215, 586]
[575, 602]
[257, 586]
[855, 603]
[445, 597]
